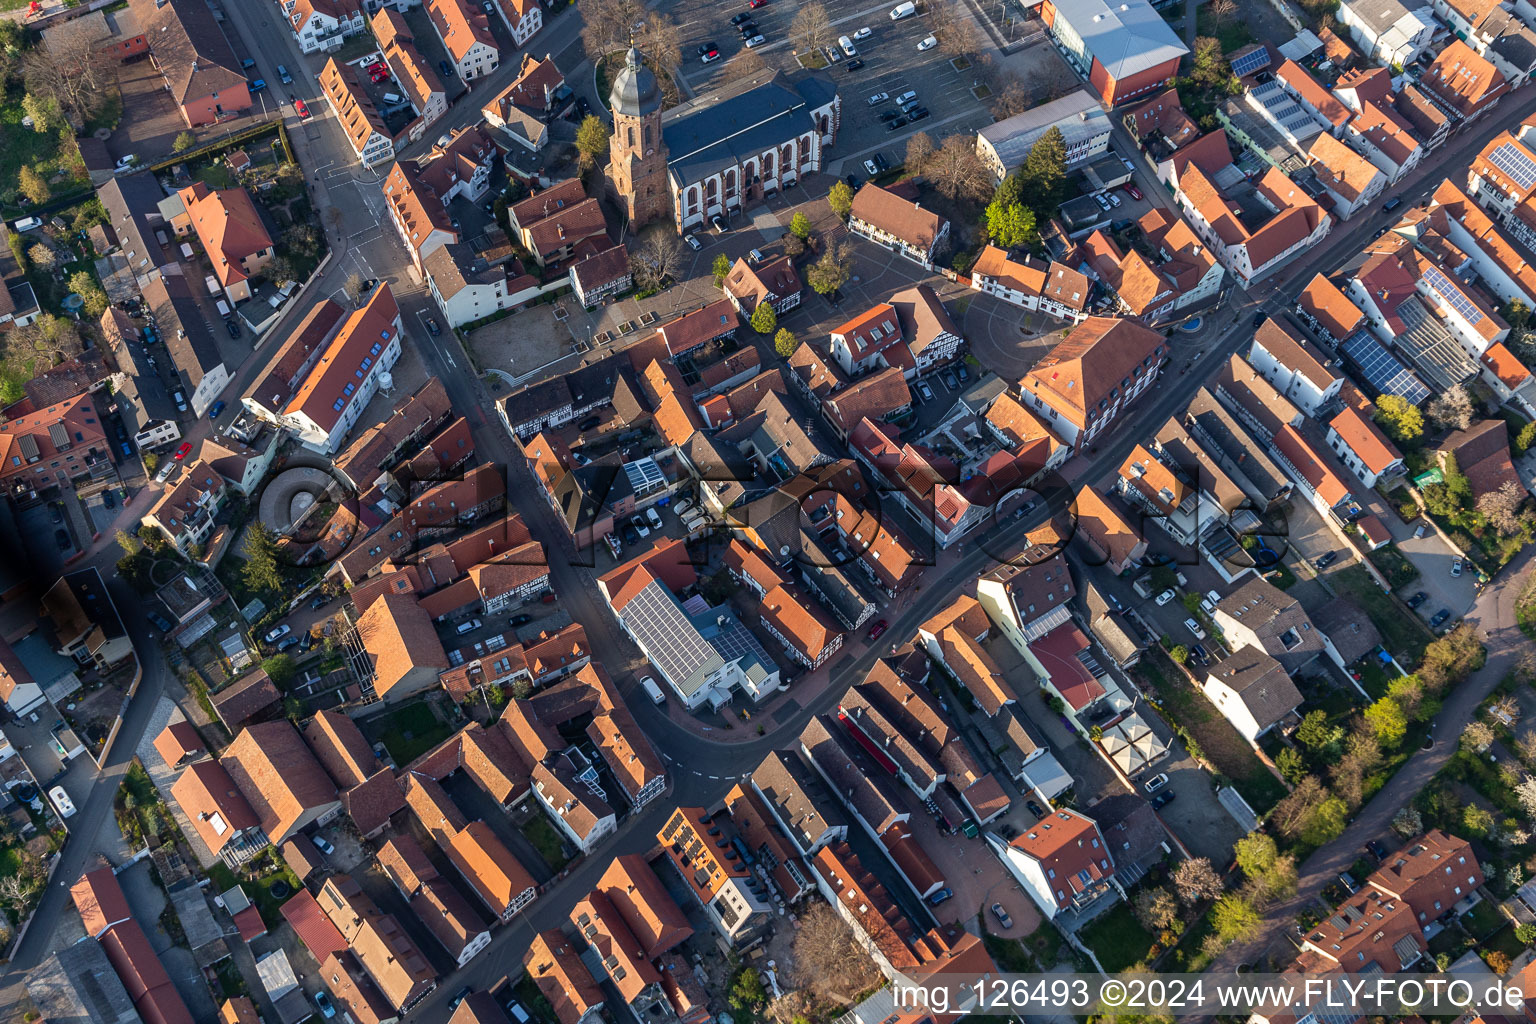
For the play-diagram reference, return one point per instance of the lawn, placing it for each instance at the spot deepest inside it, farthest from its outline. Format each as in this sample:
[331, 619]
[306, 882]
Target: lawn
[25, 147]
[1117, 939]
[1208, 734]
[259, 891]
[1232, 33]
[1405, 635]
[1483, 920]
[1009, 954]
[410, 731]
[546, 840]
[1398, 570]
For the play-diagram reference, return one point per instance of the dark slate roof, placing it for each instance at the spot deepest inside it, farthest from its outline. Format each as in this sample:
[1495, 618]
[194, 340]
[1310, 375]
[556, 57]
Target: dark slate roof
[703, 138]
[583, 493]
[1131, 830]
[132, 202]
[184, 328]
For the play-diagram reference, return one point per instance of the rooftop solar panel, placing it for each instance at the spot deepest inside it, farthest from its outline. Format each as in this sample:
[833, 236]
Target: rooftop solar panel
[670, 640]
[1382, 370]
[1518, 166]
[1248, 63]
[1453, 295]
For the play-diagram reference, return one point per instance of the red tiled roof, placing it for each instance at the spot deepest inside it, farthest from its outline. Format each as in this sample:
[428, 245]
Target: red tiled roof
[1066, 843]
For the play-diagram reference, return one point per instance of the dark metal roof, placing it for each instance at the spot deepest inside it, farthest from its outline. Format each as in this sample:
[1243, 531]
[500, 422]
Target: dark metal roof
[704, 138]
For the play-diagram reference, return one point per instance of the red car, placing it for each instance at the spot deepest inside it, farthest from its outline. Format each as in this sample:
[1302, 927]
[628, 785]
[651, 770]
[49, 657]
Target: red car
[1133, 191]
[181, 452]
[303, 110]
[756, 3]
[374, 68]
[877, 629]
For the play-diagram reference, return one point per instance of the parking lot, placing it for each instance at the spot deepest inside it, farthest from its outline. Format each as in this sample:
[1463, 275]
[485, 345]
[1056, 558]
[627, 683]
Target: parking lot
[892, 64]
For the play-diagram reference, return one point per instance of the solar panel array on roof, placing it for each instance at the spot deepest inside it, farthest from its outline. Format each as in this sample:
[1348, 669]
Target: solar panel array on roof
[1248, 63]
[1519, 167]
[671, 641]
[1381, 369]
[1453, 296]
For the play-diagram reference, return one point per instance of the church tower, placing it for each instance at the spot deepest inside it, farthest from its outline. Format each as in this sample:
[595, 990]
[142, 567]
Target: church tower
[637, 158]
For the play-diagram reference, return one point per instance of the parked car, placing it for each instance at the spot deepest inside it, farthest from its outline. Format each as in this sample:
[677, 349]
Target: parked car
[631, 536]
[61, 537]
[327, 1008]
[755, 41]
[747, 30]
[854, 64]
[737, 19]
[871, 168]
[949, 380]
[1417, 599]
[1132, 190]
[287, 642]
[925, 391]
[940, 896]
[1439, 619]
[109, 499]
[181, 453]
[928, 43]
[1376, 848]
[900, 122]
[653, 518]
[878, 629]
[640, 526]
[1197, 654]
[709, 56]
[693, 241]
[160, 622]
[1195, 628]
[1001, 915]
[232, 326]
[862, 34]
[1420, 530]
[916, 114]
[588, 423]
[61, 801]
[458, 997]
[1114, 200]
[519, 620]
[323, 843]
[1165, 597]
[302, 109]
[274, 635]
[1348, 882]
[432, 327]
[283, 75]
[878, 98]
[962, 372]
[1456, 568]
[215, 409]
[1327, 560]
[890, 115]
[1035, 808]
[1163, 800]
[1156, 782]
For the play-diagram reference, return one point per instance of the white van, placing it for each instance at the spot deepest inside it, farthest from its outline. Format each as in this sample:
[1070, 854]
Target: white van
[847, 45]
[652, 690]
[222, 307]
[468, 627]
[905, 10]
[27, 224]
[391, 98]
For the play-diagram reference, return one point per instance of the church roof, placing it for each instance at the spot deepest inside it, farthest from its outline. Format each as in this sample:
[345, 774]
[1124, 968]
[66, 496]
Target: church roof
[714, 132]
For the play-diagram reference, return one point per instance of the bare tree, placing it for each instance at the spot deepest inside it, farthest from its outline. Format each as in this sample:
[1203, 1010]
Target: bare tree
[661, 42]
[657, 257]
[748, 62]
[1506, 709]
[1221, 10]
[1453, 408]
[811, 29]
[73, 68]
[919, 148]
[1502, 507]
[957, 171]
[42, 256]
[1408, 822]
[828, 960]
[1195, 881]
[1156, 909]
[611, 24]
[1011, 96]
[1291, 815]
[957, 31]
[15, 890]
